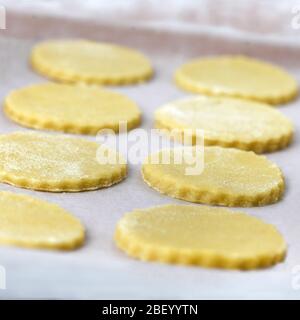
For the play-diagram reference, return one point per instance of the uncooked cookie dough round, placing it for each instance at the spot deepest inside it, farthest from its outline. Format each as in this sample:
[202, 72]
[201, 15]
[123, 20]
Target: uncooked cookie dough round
[229, 177]
[237, 76]
[57, 163]
[76, 109]
[33, 223]
[199, 235]
[90, 62]
[227, 122]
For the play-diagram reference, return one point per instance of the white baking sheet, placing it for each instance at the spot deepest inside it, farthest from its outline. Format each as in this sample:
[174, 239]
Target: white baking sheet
[99, 270]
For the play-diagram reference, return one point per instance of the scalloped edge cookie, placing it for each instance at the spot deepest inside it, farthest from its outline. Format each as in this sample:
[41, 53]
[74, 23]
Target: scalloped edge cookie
[39, 121]
[138, 248]
[49, 70]
[47, 243]
[258, 145]
[183, 81]
[170, 185]
[85, 184]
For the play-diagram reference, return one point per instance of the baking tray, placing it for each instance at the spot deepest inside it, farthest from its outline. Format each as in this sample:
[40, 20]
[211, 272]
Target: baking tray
[99, 270]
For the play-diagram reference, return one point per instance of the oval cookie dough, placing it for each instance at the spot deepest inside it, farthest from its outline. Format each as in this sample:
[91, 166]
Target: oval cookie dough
[230, 177]
[90, 62]
[56, 163]
[33, 223]
[237, 76]
[76, 109]
[227, 122]
[199, 235]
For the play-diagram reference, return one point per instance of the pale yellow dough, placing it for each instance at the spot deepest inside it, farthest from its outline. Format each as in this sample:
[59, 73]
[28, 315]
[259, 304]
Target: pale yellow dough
[227, 122]
[68, 108]
[199, 235]
[90, 62]
[55, 163]
[230, 177]
[237, 76]
[33, 223]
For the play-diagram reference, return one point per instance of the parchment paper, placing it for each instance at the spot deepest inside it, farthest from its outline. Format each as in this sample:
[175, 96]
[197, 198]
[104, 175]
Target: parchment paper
[99, 269]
